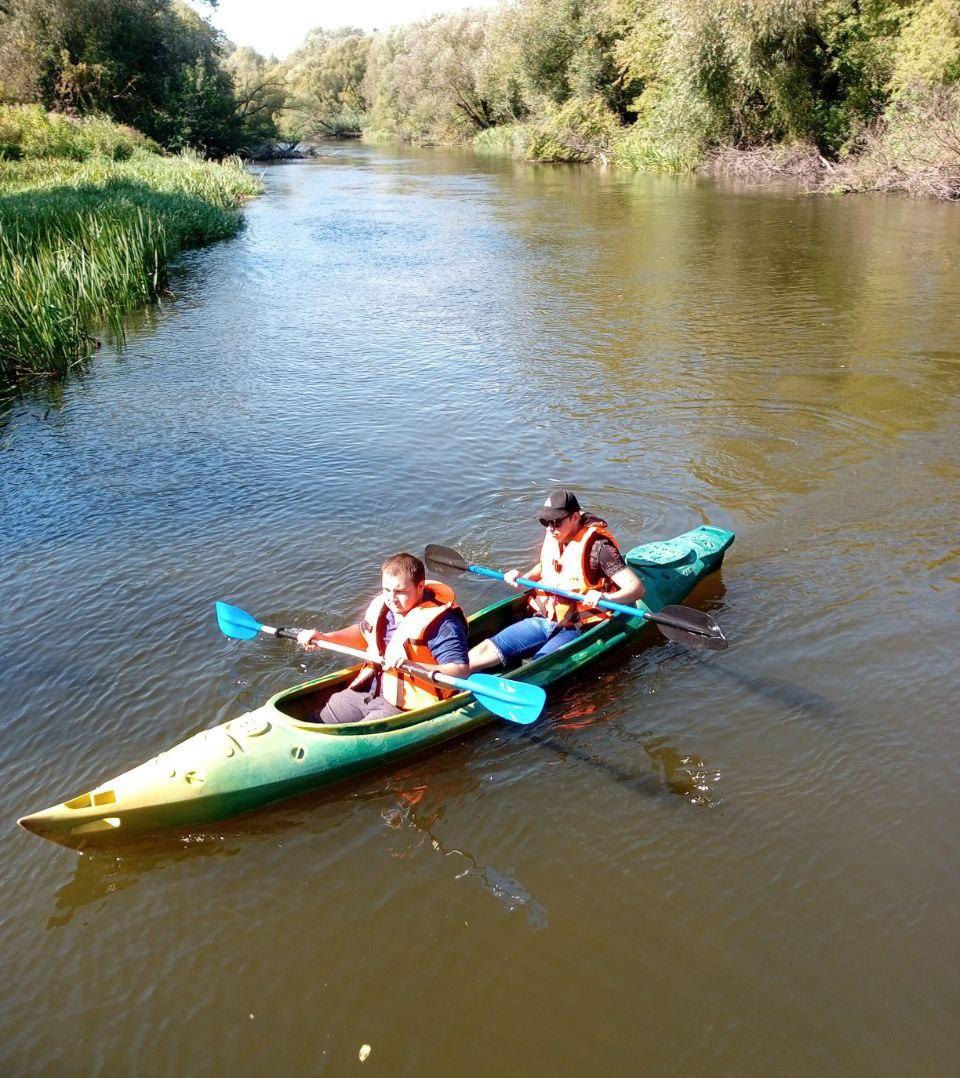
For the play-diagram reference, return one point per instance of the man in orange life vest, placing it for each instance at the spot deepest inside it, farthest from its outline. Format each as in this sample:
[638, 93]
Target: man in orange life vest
[578, 554]
[412, 618]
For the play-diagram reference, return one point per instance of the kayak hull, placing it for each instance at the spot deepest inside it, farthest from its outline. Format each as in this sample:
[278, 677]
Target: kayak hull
[275, 751]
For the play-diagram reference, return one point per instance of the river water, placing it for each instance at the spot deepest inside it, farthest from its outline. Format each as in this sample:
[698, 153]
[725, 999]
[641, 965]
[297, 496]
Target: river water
[739, 863]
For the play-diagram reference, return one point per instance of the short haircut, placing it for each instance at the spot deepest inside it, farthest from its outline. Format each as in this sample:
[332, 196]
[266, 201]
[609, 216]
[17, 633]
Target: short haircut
[407, 566]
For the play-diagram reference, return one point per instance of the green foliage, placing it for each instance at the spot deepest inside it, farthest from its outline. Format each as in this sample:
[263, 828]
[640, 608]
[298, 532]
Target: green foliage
[672, 133]
[152, 64]
[928, 49]
[583, 129]
[324, 85]
[259, 95]
[430, 81]
[28, 131]
[570, 48]
[87, 241]
[510, 140]
[914, 148]
[376, 135]
[646, 83]
[855, 57]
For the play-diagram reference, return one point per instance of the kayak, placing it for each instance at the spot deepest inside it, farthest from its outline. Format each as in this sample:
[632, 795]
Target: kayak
[276, 751]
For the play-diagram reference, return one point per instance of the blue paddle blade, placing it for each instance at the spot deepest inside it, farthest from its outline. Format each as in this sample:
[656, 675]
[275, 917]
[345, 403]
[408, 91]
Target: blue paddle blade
[515, 701]
[236, 623]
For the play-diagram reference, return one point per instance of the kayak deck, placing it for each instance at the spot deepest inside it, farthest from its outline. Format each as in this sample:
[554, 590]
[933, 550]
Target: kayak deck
[277, 750]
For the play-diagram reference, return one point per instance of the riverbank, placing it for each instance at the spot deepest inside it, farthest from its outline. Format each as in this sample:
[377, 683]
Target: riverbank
[84, 241]
[913, 150]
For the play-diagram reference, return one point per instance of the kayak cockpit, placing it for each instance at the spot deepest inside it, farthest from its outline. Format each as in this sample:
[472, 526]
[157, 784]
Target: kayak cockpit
[305, 702]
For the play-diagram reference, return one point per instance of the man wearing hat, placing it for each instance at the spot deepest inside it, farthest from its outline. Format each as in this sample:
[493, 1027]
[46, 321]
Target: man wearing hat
[578, 554]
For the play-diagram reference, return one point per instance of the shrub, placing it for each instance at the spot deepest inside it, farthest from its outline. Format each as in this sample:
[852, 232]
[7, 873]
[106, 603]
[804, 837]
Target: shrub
[27, 131]
[512, 140]
[580, 130]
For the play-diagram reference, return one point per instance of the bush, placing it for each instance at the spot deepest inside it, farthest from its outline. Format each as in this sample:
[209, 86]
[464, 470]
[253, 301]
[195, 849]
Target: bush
[512, 140]
[673, 130]
[580, 130]
[914, 148]
[376, 134]
[27, 131]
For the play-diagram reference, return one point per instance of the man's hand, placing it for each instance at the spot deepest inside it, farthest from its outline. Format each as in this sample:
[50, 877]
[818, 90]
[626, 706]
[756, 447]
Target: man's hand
[305, 639]
[591, 598]
[510, 577]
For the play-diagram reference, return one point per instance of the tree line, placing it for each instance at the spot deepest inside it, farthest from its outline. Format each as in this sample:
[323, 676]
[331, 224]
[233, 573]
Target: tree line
[645, 83]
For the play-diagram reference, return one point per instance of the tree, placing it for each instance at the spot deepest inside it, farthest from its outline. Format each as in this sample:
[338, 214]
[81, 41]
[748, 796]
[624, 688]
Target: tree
[259, 94]
[152, 64]
[433, 80]
[325, 84]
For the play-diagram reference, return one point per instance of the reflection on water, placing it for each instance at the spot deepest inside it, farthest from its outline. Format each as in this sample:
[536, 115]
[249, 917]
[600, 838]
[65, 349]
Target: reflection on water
[408, 347]
[97, 876]
[420, 809]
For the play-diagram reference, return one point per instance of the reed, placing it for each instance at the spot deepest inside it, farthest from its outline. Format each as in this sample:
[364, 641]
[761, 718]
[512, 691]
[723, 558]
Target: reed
[28, 131]
[83, 243]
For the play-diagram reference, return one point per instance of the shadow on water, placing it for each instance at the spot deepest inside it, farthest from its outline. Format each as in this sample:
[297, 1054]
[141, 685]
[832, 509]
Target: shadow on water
[795, 698]
[708, 596]
[662, 768]
[421, 808]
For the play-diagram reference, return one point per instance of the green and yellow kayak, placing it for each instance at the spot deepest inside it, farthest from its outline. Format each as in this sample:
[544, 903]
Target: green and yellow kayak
[275, 751]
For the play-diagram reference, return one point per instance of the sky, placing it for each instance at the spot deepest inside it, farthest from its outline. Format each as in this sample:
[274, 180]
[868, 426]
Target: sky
[277, 27]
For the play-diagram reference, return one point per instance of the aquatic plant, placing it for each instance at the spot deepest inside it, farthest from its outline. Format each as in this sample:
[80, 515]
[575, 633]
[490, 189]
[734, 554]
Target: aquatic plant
[28, 131]
[85, 242]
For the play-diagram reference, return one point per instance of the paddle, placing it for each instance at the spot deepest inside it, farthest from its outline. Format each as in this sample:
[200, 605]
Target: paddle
[680, 623]
[514, 701]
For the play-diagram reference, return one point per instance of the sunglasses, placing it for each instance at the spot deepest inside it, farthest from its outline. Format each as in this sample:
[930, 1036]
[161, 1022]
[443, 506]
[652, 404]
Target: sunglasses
[553, 523]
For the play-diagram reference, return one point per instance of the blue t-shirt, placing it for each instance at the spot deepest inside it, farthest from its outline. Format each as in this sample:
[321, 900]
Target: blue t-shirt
[447, 638]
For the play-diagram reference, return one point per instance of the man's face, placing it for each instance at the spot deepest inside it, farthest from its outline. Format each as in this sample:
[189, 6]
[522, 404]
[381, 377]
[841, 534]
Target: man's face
[564, 530]
[400, 594]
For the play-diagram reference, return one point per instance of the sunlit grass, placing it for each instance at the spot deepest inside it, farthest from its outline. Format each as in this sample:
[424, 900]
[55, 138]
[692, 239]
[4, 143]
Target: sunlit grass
[28, 131]
[85, 242]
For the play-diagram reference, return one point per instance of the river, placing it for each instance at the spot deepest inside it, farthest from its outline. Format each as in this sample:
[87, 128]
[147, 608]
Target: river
[738, 863]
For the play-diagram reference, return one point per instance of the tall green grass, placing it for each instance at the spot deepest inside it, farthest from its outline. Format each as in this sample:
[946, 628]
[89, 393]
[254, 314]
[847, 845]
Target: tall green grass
[27, 131]
[510, 140]
[83, 243]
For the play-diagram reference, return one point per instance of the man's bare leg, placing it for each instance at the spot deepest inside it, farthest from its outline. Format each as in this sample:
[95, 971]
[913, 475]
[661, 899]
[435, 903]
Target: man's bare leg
[483, 656]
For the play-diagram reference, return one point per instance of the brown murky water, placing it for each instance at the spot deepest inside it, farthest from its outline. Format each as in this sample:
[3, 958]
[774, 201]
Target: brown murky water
[742, 863]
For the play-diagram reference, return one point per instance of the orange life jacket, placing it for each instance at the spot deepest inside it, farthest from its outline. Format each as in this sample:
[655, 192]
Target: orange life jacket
[569, 568]
[402, 688]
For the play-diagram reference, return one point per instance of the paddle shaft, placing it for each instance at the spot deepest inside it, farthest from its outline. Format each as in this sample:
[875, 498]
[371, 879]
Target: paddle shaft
[604, 604]
[463, 684]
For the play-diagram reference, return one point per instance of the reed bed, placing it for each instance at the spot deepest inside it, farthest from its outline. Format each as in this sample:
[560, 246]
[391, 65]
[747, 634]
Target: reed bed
[82, 243]
[29, 131]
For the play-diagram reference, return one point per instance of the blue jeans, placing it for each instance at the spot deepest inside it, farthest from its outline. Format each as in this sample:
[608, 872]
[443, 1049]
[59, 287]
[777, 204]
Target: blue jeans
[531, 636]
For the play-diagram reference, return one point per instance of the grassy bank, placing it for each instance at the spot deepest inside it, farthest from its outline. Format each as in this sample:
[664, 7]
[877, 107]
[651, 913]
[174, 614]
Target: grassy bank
[912, 150]
[87, 237]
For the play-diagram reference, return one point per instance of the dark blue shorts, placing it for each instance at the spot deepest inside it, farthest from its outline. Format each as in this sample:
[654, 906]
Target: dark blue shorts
[532, 636]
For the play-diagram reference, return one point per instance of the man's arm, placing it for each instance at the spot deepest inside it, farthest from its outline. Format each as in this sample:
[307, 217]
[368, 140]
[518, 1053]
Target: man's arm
[610, 562]
[448, 642]
[629, 587]
[510, 577]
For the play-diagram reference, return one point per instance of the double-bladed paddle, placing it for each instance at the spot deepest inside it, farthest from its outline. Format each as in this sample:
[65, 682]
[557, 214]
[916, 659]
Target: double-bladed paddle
[514, 701]
[680, 623]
